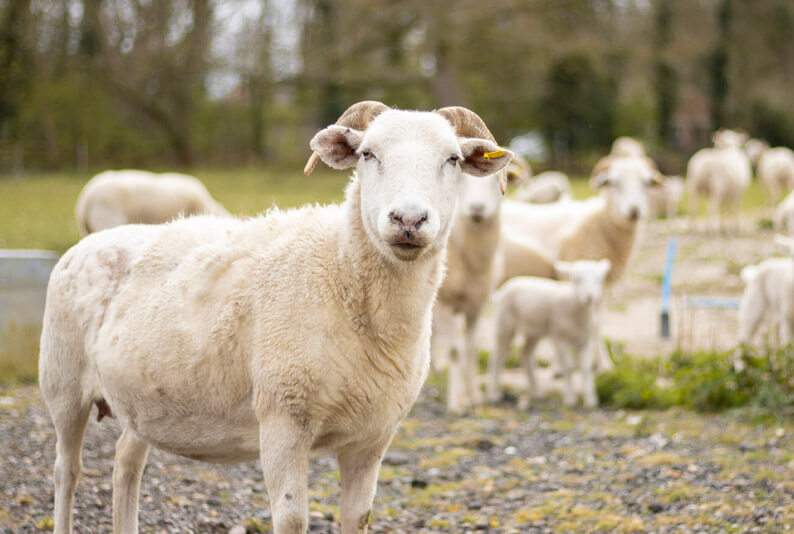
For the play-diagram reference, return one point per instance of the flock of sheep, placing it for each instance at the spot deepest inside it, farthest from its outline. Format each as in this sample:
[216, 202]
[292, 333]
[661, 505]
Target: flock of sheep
[194, 334]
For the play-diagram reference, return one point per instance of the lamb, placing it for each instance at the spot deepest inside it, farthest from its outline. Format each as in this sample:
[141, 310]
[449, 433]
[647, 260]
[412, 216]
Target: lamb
[776, 172]
[663, 201]
[721, 174]
[549, 186]
[783, 220]
[769, 295]
[471, 251]
[567, 312]
[113, 198]
[601, 227]
[193, 334]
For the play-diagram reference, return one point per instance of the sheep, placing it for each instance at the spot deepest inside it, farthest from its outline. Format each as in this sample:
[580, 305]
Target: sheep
[623, 147]
[783, 220]
[721, 174]
[769, 294]
[518, 170]
[776, 172]
[663, 201]
[601, 227]
[471, 250]
[567, 312]
[194, 334]
[549, 186]
[113, 198]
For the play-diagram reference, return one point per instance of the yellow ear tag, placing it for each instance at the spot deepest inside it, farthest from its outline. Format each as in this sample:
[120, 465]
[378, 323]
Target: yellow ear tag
[494, 154]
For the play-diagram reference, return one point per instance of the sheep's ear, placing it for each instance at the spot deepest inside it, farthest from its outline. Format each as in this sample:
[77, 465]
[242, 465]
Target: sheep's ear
[483, 158]
[656, 179]
[337, 145]
[600, 180]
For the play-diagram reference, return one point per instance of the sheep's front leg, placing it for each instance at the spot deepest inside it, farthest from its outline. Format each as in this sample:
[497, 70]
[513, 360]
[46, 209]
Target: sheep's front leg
[471, 360]
[586, 356]
[131, 454]
[284, 447]
[358, 470]
[566, 360]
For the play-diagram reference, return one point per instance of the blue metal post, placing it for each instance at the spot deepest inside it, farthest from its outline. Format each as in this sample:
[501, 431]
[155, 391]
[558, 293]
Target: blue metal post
[667, 282]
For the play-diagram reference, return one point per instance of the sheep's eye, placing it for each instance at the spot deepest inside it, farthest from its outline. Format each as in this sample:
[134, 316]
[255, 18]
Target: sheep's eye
[367, 155]
[453, 159]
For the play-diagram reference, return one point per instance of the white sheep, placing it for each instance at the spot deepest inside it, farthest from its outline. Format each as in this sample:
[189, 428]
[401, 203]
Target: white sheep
[565, 311]
[663, 201]
[194, 334]
[471, 250]
[113, 198]
[776, 172]
[720, 174]
[601, 227]
[783, 219]
[549, 186]
[769, 296]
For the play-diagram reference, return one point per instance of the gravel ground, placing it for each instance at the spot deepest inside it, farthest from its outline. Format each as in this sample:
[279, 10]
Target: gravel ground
[503, 470]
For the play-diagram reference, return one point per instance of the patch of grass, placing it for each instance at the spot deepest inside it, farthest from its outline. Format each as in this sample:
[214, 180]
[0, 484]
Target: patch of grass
[38, 210]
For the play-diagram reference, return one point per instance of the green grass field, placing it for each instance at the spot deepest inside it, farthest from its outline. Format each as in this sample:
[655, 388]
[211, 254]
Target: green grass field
[38, 211]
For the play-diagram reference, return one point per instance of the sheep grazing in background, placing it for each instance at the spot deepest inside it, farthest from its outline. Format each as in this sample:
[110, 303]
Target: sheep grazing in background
[471, 250]
[567, 312]
[663, 201]
[769, 296]
[194, 334]
[518, 170]
[775, 172]
[113, 198]
[720, 174]
[549, 186]
[783, 219]
[601, 227]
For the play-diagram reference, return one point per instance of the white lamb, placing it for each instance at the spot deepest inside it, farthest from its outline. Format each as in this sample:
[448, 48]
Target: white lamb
[784, 215]
[549, 186]
[113, 198]
[567, 312]
[720, 174]
[776, 172]
[769, 296]
[194, 334]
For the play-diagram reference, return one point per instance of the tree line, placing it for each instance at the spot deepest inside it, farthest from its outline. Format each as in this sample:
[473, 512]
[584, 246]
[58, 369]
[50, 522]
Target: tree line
[89, 84]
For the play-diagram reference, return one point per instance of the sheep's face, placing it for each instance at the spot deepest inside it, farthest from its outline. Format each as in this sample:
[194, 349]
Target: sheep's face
[626, 183]
[587, 277]
[479, 199]
[408, 166]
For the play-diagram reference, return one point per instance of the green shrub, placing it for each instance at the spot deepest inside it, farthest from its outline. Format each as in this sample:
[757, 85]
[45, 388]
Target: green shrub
[703, 381]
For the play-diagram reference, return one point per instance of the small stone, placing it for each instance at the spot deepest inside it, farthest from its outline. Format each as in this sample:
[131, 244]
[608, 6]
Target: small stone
[655, 507]
[237, 529]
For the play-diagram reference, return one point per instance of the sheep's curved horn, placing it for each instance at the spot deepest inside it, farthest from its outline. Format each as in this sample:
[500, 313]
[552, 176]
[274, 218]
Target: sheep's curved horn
[469, 124]
[357, 116]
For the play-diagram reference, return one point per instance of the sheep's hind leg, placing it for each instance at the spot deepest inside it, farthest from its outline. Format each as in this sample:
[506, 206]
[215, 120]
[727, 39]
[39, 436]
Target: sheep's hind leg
[70, 421]
[284, 447]
[358, 470]
[131, 454]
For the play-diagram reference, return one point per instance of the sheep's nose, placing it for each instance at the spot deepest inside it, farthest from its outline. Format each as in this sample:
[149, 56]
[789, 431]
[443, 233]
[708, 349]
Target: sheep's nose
[408, 224]
[634, 214]
[477, 208]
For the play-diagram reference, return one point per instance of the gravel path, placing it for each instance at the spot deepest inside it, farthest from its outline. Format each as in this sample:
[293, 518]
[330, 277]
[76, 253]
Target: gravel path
[505, 470]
